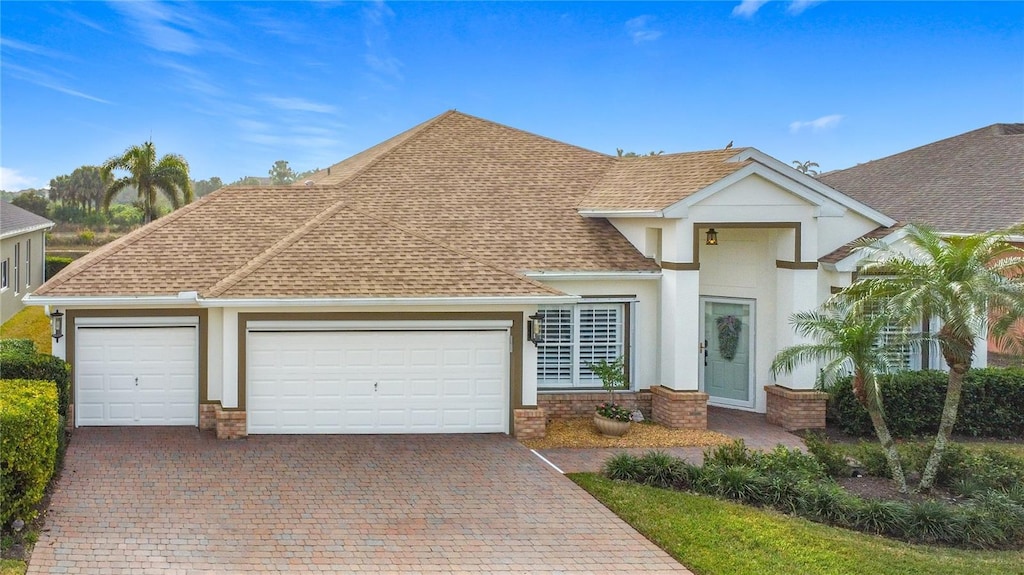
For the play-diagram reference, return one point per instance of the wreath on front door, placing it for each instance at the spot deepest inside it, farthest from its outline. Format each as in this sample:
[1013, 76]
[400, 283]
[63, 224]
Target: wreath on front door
[729, 327]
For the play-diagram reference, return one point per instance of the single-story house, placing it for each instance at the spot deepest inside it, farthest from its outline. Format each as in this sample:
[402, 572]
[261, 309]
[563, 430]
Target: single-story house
[969, 183]
[22, 256]
[461, 277]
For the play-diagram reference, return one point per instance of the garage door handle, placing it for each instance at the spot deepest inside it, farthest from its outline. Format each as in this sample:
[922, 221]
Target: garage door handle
[136, 381]
[375, 386]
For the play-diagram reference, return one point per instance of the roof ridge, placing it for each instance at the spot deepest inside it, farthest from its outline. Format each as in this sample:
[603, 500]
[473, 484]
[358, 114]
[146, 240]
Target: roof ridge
[279, 246]
[93, 258]
[454, 250]
[528, 133]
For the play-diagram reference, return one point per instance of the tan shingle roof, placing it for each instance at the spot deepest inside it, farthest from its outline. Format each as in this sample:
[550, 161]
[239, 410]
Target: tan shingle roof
[657, 182]
[457, 206]
[968, 183]
[840, 253]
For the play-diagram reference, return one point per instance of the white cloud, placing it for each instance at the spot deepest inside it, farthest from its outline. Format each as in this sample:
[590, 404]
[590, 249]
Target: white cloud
[797, 7]
[639, 29]
[47, 81]
[818, 125]
[299, 105]
[12, 180]
[378, 58]
[748, 8]
[162, 27]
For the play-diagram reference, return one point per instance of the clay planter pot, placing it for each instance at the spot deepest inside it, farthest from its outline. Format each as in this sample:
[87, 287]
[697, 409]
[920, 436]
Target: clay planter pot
[610, 427]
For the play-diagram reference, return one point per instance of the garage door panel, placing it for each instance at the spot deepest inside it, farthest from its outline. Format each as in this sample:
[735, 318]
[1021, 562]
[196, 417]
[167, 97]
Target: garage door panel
[136, 376]
[380, 382]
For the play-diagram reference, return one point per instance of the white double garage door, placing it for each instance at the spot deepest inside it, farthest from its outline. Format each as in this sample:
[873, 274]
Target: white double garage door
[315, 378]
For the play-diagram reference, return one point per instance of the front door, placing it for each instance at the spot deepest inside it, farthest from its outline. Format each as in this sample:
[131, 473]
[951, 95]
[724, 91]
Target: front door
[727, 325]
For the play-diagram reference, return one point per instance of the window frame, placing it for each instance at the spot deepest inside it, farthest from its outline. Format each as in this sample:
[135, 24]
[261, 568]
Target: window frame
[626, 305]
[28, 263]
[5, 278]
[17, 269]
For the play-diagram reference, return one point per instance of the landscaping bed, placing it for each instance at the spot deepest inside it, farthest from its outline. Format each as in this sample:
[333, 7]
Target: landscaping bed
[580, 432]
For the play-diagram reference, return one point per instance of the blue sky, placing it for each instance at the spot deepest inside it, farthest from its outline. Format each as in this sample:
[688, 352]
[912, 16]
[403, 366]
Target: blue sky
[234, 86]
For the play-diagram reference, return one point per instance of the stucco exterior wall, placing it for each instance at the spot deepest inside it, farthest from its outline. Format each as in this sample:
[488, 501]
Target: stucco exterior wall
[10, 298]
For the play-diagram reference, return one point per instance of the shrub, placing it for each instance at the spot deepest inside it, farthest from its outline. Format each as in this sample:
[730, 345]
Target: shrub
[86, 237]
[872, 459]
[935, 522]
[56, 263]
[623, 467]
[28, 446]
[828, 503]
[831, 458]
[880, 516]
[789, 461]
[20, 360]
[124, 217]
[660, 469]
[735, 482]
[735, 453]
[992, 404]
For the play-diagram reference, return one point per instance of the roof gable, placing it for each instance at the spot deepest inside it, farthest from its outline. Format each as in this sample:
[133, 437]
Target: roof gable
[968, 183]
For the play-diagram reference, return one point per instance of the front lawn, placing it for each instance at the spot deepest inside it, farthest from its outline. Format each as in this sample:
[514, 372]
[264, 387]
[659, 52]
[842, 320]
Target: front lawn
[711, 537]
[29, 323]
[12, 567]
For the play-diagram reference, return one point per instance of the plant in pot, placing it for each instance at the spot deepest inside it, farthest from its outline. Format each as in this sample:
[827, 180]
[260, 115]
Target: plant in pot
[611, 418]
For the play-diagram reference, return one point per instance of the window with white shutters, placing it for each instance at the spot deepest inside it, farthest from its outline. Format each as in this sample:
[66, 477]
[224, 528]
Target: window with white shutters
[576, 336]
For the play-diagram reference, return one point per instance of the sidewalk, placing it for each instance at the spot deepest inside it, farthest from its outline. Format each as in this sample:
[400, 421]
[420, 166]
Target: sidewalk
[750, 427]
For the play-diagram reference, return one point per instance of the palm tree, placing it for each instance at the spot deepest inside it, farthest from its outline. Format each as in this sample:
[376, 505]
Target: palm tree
[848, 342]
[957, 279]
[807, 167]
[169, 176]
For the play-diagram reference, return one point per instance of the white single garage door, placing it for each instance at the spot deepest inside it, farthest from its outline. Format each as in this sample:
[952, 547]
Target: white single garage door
[136, 375]
[377, 381]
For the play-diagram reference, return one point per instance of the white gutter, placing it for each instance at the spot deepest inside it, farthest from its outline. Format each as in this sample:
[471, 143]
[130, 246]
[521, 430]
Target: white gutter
[621, 213]
[192, 299]
[36, 228]
[182, 299]
[592, 276]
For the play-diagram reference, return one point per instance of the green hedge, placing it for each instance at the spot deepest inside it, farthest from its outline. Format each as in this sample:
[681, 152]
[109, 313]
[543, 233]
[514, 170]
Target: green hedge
[56, 263]
[28, 445]
[992, 404]
[20, 360]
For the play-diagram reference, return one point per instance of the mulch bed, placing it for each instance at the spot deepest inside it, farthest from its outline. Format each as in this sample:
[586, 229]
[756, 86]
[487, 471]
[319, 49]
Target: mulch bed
[580, 432]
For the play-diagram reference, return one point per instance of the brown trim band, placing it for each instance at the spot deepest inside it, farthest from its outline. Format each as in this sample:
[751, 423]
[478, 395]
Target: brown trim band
[515, 361]
[204, 335]
[680, 267]
[783, 264]
[835, 289]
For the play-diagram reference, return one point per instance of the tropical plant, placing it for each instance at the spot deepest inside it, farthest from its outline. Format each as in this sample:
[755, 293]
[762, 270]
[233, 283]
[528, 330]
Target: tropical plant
[959, 280]
[612, 376]
[807, 167]
[847, 341]
[168, 176]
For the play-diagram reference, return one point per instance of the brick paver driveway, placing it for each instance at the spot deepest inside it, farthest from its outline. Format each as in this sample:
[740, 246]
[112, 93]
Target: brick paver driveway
[164, 500]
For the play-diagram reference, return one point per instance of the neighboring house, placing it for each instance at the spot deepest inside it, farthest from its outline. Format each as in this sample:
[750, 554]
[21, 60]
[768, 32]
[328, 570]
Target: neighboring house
[970, 183]
[22, 256]
[393, 292]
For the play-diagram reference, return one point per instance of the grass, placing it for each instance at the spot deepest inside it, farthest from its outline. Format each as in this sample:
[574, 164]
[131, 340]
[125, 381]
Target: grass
[29, 323]
[12, 567]
[713, 537]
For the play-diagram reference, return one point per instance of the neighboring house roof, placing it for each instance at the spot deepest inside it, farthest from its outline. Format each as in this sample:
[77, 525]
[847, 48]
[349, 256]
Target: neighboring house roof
[657, 182]
[965, 184]
[16, 221]
[845, 250]
[455, 207]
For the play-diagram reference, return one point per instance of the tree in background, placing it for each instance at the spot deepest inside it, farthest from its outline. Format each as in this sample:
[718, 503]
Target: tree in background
[247, 181]
[32, 202]
[168, 176]
[623, 154]
[281, 174]
[203, 187]
[807, 167]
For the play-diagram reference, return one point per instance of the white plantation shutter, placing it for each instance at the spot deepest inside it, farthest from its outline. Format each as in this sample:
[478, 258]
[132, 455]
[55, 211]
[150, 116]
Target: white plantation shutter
[575, 337]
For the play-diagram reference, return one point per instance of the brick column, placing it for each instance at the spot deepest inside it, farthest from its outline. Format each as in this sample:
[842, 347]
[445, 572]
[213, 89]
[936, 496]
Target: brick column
[530, 423]
[230, 424]
[679, 409]
[794, 410]
[69, 423]
[207, 416]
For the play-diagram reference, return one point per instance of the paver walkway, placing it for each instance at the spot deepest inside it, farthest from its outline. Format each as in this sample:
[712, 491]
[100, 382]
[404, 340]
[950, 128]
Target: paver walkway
[168, 501]
[751, 427]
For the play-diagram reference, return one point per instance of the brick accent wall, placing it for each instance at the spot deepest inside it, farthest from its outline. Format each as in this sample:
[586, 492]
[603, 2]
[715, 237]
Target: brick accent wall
[530, 423]
[794, 410]
[230, 424]
[69, 423]
[207, 416]
[679, 409]
[567, 405]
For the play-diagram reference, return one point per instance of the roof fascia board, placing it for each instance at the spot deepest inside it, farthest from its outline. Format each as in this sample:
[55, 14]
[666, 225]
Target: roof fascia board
[28, 230]
[185, 299]
[388, 301]
[807, 181]
[593, 276]
[851, 262]
[621, 213]
[826, 207]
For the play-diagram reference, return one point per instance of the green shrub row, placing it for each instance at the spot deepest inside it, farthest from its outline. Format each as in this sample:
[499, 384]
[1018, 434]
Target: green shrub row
[793, 482]
[28, 445]
[992, 404]
[20, 360]
[56, 263]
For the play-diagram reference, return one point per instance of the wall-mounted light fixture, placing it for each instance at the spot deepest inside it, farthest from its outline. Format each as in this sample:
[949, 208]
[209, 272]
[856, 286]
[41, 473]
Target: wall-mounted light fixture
[712, 237]
[56, 324]
[535, 328]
